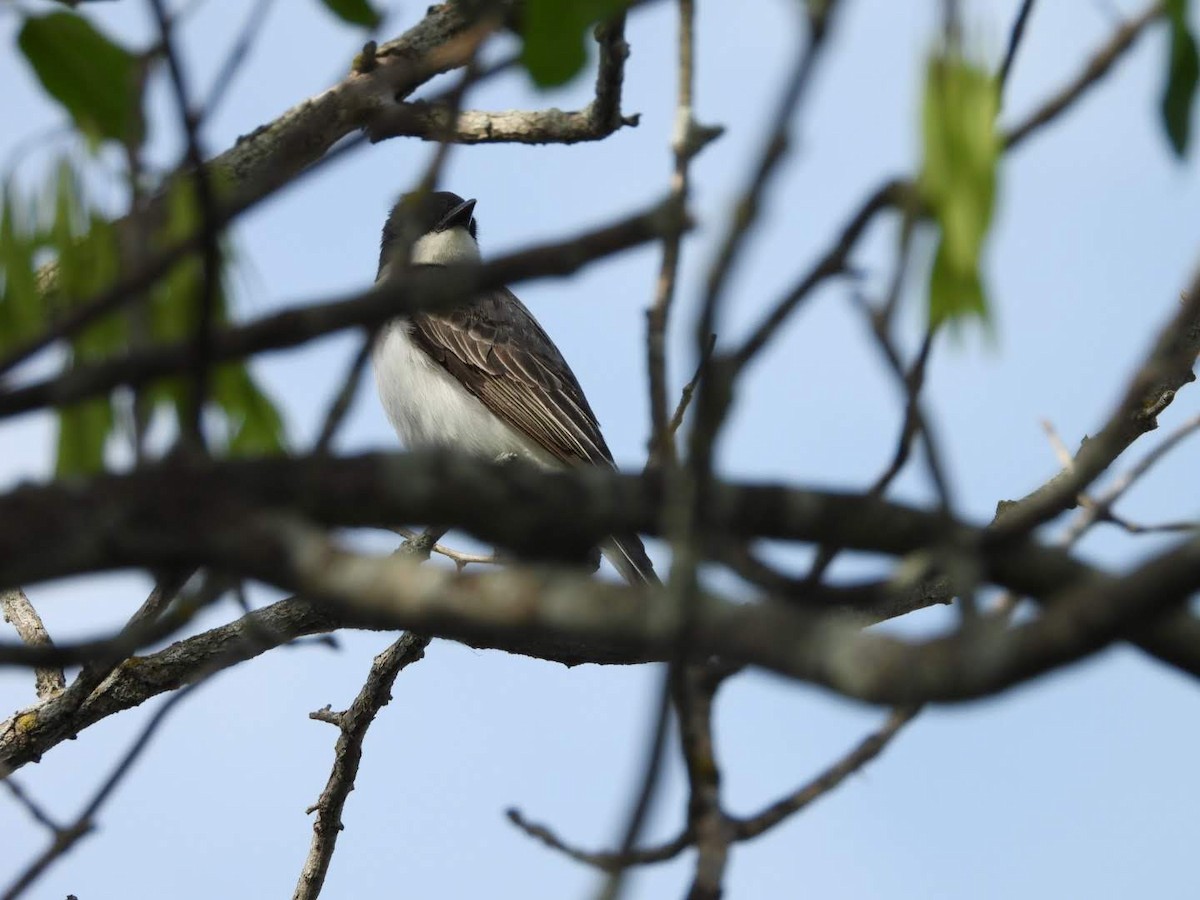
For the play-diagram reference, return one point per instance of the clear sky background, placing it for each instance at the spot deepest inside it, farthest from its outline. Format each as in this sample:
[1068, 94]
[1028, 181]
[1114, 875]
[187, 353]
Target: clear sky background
[1082, 785]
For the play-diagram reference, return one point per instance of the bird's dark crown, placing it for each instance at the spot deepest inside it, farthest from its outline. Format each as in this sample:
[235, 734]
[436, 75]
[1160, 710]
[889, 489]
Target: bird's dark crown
[420, 213]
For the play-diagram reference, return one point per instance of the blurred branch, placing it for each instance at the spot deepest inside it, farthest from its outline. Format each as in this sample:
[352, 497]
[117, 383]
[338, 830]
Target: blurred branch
[750, 827]
[893, 194]
[695, 693]
[191, 424]
[408, 292]
[688, 139]
[1014, 42]
[736, 829]
[1086, 615]
[599, 622]
[1097, 67]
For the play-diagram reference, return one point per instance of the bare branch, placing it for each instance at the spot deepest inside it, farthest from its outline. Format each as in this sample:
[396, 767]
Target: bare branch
[352, 725]
[1166, 369]
[19, 612]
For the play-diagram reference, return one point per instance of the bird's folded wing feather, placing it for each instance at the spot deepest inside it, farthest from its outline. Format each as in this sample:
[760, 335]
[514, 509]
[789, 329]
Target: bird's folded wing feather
[497, 351]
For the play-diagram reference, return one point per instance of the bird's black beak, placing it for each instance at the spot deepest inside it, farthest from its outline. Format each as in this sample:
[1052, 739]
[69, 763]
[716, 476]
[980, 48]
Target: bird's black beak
[459, 217]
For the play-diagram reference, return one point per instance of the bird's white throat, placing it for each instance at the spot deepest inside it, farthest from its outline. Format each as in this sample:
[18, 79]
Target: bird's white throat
[445, 248]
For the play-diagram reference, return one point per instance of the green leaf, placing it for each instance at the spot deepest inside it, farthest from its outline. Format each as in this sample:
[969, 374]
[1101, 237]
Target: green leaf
[954, 292]
[958, 181]
[21, 308]
[555, 33]
[83, 430]
[256, 427]
[1183, 73]
[354, 12]
[253, 424]
[96, 80]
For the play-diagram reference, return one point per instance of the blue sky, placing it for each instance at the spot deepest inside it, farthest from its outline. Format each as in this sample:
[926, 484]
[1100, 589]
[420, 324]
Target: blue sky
[1082, 785]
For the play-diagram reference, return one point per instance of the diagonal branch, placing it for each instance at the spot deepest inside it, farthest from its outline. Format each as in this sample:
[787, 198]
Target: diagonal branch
[19, 612]
[439, 289]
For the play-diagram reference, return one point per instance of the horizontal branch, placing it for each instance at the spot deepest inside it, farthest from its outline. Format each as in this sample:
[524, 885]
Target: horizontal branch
[438, 122]
[132, 520]
[824, 650]
[243, 519]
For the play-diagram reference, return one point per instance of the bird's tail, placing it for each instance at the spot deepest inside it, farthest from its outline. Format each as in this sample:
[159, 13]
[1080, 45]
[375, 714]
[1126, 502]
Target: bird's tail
[629, 557]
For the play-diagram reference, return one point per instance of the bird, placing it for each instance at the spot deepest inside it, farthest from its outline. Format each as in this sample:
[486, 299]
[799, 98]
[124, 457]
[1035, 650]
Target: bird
[482, 377]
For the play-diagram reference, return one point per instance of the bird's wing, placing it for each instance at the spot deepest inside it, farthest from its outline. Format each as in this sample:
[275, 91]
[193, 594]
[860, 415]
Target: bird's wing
[497, 351]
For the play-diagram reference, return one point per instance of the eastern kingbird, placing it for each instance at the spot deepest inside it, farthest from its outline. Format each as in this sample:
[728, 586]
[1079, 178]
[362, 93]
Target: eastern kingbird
[483, 377]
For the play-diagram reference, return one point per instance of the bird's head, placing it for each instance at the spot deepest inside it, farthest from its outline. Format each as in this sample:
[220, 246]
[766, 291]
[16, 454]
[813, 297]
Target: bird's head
[435, 228]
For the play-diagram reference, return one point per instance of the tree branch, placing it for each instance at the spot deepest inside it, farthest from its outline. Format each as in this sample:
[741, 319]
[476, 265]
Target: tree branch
[19, 612]
[352, 725]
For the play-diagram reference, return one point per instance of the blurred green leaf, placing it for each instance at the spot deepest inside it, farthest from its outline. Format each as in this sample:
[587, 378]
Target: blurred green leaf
[85, 245]
[354, 12]
[556, 32]
[61, 220]
[21, 314]
[958, 181]
[255, 426]
[83, 430]
[96, 80]
[1183, 73]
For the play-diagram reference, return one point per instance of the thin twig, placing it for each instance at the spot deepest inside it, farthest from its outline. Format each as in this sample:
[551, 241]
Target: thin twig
[340, 406]
[66, 838]
[652, 764]
[31, 806]
[1100, 508]
[460, 558]
[192, 418]
[604, 861]
[894, 193]
[739, 828]
[750, 827]
[1014, 42]
[684, 147]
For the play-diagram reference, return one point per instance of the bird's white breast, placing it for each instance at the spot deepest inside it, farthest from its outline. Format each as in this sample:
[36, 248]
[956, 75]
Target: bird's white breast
[430, 409]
